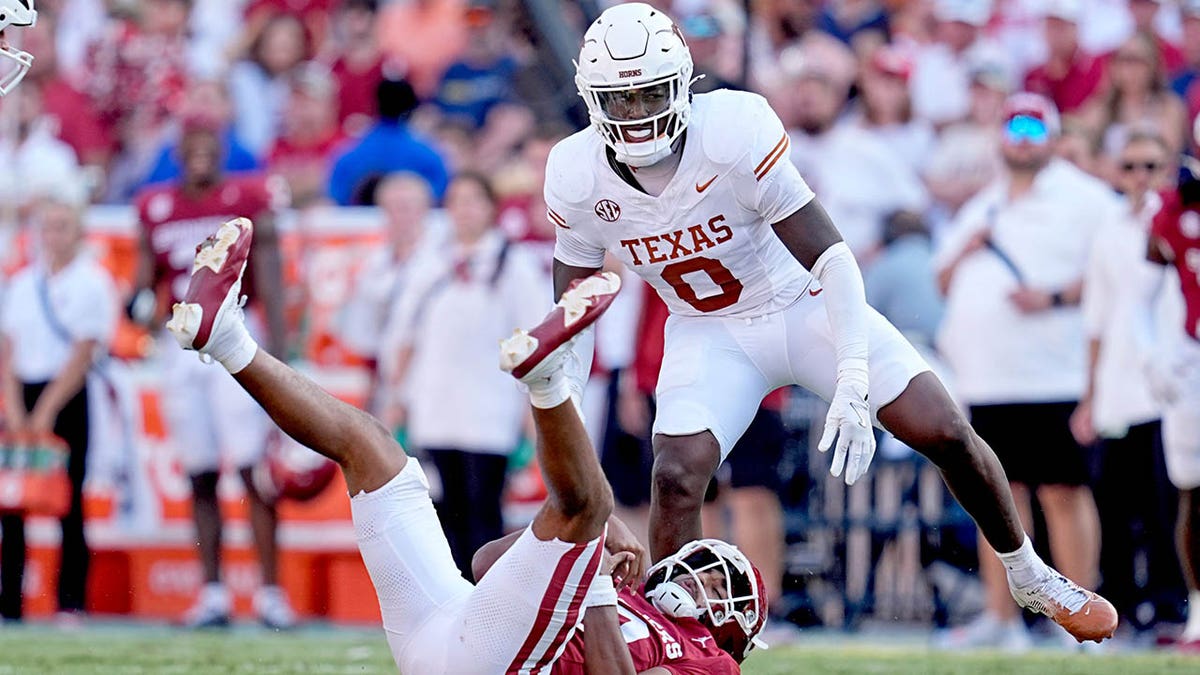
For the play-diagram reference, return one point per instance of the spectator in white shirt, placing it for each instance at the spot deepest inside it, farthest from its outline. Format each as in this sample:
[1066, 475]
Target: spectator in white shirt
[58, 315]
[1013, 269]
[461, 409]
[941, 77]
[1135, 500]
[860, 180]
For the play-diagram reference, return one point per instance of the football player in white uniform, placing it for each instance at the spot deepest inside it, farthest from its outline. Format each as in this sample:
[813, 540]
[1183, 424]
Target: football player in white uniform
[696, 195]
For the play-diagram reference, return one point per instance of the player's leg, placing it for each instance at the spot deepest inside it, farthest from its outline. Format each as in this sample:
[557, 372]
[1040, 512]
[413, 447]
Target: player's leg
[530, 601]
[397, 529]
[709, 390]
[1181, 447]
[909, 401]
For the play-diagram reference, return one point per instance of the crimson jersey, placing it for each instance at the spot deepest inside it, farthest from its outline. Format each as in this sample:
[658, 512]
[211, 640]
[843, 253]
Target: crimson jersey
[1179, 228]
[175, 223]
[682, 646]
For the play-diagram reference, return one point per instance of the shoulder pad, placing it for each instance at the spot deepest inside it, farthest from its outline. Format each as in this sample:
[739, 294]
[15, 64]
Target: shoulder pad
[729, 122]
[570, 168]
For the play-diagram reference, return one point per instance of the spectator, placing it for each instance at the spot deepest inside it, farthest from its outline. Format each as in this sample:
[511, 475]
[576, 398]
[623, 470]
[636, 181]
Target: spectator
[405, 203]
[304, 151]
[1080, 146]
[314, 15]
[134, 74]
[482, 76]
[207, 99]
[964, 157]
[59, 315]
[1070, 76]
[860, 180]
[941, 73]
[861, 24]
[1185, 82]
[1012, 269]
[70, 113]
[448, 325]
[886, 107]
[388, 147]
[1145, 13]
[716, 50]
[357, 64]
[258, 84]
[215, 419]
[1138, 97]
[522, 204]
[1135, 500]
[426, 36]
[901, 284]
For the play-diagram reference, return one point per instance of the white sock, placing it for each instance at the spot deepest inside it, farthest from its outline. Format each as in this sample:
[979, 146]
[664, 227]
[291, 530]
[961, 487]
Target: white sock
[549, 392]
[1191, 630]
[1023, 565]
[232, 346]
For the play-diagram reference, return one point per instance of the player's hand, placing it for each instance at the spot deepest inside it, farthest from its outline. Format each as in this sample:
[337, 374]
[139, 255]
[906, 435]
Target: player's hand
[621, 540]
[849, 421]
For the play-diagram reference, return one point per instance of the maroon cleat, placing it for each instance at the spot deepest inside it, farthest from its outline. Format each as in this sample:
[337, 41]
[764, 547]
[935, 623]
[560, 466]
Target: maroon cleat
[216, 285]
[583, 303]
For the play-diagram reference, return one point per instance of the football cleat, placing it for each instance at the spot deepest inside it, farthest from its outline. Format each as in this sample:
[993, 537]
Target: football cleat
[211, 609]
[273, 610]
[1082, 613]
[583, 303]
[214, 291]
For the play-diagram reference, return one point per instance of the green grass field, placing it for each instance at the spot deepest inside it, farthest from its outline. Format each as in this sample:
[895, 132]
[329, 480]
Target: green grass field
[126, 649]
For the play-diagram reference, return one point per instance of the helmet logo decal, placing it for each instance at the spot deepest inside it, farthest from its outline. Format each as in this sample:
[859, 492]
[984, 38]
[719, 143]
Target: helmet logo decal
[608, 210]
[636, 72]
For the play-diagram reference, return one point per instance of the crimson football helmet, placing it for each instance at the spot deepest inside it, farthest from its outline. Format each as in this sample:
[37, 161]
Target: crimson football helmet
[18, 14]
[291, 471]
[734, 617]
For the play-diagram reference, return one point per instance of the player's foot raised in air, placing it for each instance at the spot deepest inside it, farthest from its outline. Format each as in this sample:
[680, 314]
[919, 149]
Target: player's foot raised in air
[1082, 613]
[533, 353]
[213, 296]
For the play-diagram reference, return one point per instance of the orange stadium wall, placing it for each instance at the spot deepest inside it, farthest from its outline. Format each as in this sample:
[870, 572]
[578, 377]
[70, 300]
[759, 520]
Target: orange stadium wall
[148, 568]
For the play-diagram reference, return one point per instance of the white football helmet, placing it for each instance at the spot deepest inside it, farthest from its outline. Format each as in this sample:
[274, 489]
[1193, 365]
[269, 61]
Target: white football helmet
[635, 72]
[735, 613]
[16, 13]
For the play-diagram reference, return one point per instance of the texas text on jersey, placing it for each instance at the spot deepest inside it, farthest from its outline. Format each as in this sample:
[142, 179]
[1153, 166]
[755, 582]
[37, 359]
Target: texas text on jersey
[1178, 228]
[175, 221]
[706, 243]
[681, 645]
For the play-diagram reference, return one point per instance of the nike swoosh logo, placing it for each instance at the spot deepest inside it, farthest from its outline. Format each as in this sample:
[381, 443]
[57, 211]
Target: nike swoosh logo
[701, 187]
[816, 292]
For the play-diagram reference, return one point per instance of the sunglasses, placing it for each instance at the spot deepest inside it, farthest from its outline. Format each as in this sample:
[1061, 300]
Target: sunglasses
[1149, 167]
[1026, 129]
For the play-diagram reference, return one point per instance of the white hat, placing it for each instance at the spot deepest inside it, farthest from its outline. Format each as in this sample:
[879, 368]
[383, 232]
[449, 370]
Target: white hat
[974, 12]
[1067, 10]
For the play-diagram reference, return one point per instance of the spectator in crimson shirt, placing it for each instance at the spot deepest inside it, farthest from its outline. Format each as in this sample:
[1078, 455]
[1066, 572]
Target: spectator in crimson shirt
[1069, 77]
[1143, 13]
[73, 117]
[303, 153]
[357, 64]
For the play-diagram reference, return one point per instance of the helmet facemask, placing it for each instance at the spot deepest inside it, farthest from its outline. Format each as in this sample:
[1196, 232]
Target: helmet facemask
[737, 599]
[14, 63]
[640, 122]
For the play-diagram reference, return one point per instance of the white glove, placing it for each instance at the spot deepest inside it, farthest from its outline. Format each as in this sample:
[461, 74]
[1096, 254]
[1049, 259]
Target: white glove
[849, 419]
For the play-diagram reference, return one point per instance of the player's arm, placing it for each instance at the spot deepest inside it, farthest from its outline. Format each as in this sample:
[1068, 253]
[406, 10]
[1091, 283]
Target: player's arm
[810, 236]
[268, 280]
[604, 649]
[564, 274]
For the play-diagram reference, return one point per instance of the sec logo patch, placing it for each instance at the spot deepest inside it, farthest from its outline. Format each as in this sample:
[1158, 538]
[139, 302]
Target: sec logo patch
[608, 210]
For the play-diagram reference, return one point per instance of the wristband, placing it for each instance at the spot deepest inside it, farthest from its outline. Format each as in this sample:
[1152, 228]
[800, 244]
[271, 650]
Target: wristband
[602, 592]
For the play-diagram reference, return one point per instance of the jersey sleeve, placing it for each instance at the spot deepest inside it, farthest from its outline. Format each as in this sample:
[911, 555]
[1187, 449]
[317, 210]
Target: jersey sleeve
[571, 246]
[779, 189]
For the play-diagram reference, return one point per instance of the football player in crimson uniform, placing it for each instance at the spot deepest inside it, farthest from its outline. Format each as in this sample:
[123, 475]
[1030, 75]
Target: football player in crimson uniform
[540, 582]
[210, 417]
[1175, 376]
[696, 194]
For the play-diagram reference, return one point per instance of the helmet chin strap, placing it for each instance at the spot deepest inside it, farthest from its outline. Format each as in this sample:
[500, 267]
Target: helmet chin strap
[674, 600]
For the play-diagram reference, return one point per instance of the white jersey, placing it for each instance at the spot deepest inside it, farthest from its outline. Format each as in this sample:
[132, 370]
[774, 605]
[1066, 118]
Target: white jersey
[706, 243]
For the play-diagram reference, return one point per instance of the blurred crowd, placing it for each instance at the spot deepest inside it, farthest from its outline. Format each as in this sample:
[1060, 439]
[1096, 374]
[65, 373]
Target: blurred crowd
[439, 114]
